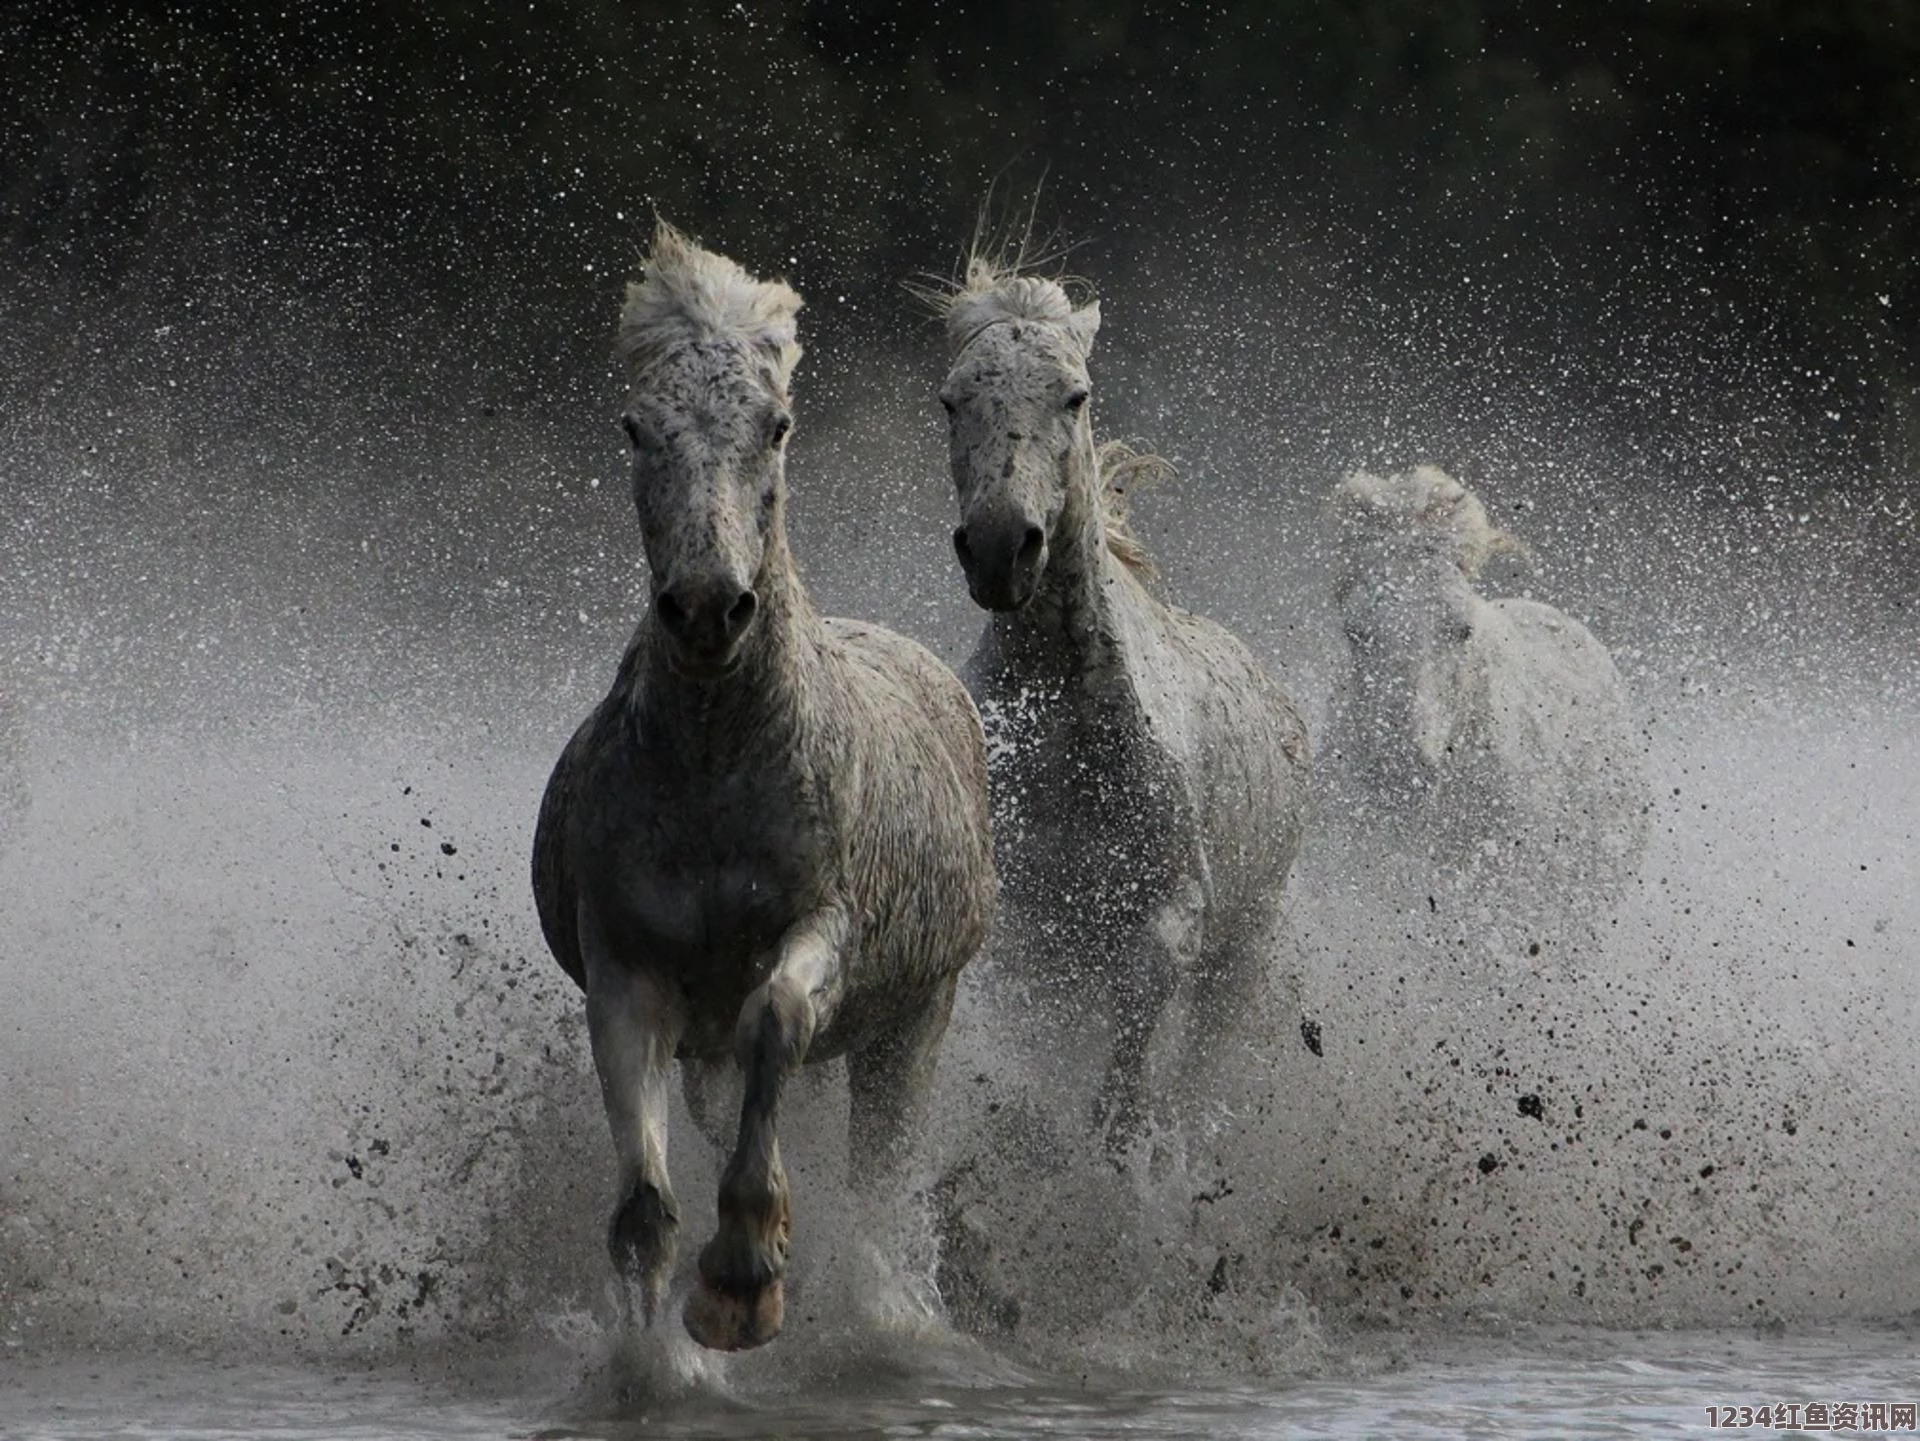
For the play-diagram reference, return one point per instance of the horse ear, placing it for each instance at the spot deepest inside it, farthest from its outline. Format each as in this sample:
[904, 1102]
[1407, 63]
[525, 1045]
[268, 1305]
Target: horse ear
[1082, 325]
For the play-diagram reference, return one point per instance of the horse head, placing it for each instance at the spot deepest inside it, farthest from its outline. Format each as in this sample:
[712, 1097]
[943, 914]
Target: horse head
[1019, 435]
[1410, 546]
[709, 352]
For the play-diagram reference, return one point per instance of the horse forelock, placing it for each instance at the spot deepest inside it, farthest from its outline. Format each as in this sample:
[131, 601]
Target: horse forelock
[992, 291]
[686, 292]
[1424, 502]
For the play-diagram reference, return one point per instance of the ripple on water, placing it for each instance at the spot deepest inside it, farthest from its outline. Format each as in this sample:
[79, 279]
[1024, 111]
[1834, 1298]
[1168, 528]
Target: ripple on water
[1561, 1384]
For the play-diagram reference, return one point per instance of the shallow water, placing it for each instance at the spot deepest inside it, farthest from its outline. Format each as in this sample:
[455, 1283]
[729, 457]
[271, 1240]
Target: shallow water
[293, 1084]
[1543, 1384]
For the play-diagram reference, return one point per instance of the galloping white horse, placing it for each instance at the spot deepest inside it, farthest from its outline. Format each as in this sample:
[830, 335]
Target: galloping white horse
[1150, 778]
[1479, 732]
[770, 841]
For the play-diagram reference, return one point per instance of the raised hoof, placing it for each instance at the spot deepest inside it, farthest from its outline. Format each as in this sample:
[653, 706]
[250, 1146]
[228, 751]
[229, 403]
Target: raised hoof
[723, 1321]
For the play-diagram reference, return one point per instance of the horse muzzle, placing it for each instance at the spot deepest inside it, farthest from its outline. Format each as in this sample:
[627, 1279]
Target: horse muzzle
[706, 622]
[1002, 559]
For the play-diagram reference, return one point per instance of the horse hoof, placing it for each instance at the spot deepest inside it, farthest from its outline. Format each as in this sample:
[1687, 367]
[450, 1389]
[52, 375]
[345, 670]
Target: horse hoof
[723, 1321]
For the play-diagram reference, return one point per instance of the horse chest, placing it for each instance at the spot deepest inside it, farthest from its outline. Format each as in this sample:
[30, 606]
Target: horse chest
[1089, 823]
[714, 875]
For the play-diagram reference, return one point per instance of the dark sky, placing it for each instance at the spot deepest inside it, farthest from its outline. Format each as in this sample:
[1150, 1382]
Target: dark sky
[1614, 204]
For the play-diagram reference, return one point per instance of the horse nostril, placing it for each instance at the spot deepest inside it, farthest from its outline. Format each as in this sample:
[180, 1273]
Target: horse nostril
[673, 615]
[960, 546]
[1031, 542]
[740, 613]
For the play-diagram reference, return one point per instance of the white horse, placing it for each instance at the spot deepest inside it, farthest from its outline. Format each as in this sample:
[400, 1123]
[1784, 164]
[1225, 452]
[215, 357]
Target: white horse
[1488, 733]
[1150, 778]
[769, 843]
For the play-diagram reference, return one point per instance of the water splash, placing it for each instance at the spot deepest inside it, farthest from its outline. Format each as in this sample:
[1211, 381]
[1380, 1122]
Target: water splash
[291, 1069]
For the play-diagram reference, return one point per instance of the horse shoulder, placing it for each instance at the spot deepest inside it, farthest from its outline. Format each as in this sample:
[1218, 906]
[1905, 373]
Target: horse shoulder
[1164, 655]
[1239, 745]
[1561, 654]
[1242, 705]
[916, 833]
[899, 680]
[908, 719]
[1555, 702]
[555, 879]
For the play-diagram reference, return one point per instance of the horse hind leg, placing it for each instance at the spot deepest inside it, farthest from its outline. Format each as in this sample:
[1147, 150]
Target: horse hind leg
[635, 1020]
[713, 1096]
[740, 1302]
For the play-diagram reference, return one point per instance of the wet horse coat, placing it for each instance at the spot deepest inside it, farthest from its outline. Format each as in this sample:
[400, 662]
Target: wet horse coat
[769, 843]
[1149, 775]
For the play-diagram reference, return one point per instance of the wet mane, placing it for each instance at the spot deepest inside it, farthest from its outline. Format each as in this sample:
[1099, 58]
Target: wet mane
[689, 293]
[1121, 467]
[1424, 502]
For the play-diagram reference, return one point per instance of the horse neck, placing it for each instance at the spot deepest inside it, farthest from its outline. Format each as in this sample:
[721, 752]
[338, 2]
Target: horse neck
[1069, 629]
[760, 708]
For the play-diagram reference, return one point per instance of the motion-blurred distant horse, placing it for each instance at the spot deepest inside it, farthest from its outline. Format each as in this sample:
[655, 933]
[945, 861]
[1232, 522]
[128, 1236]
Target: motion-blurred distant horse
[1150, 778]
[1480, 732]
[770, 841]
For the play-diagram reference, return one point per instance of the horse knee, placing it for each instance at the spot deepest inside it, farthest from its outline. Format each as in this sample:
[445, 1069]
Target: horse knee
[776, 1026]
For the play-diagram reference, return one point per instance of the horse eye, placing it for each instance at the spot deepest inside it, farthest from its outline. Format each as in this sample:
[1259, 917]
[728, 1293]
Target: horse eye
[632, 428]
[1076, 400]
[782, 424]
[946, 404]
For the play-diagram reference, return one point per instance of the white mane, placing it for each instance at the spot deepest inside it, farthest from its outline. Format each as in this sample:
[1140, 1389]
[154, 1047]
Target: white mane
[686, 292]
[994, 289]
[990, 293]
[1424, 501]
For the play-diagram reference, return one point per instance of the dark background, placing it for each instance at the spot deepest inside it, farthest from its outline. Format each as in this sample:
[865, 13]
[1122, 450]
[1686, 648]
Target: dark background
[1624, 207]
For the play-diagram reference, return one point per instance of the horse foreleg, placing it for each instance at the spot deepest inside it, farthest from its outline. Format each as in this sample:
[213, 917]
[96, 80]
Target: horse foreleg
[889, 1085]
[635, 1019]
[1140, 988]
[740, 1300]
[1243, 986]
